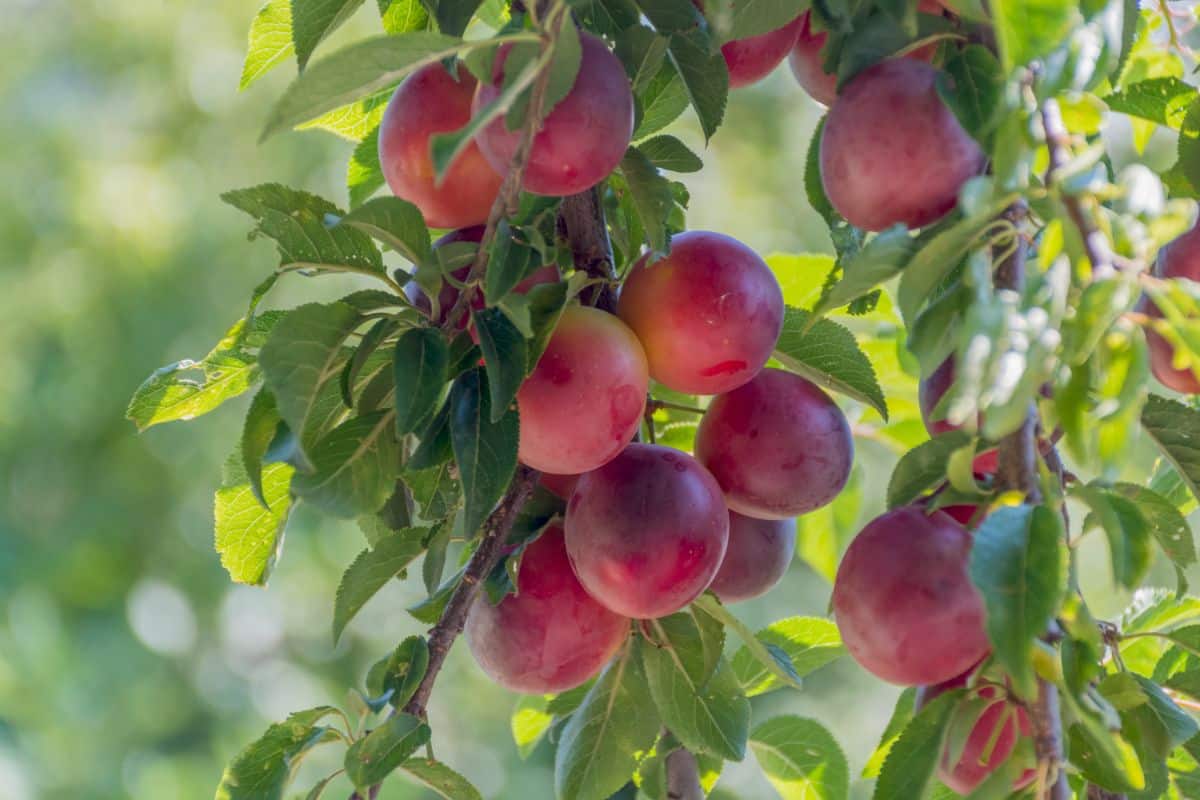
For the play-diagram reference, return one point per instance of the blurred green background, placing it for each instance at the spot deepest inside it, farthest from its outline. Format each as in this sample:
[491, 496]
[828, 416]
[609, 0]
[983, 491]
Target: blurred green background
[129, 665]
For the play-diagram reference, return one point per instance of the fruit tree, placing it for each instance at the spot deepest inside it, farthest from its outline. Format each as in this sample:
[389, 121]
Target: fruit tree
[597, 430]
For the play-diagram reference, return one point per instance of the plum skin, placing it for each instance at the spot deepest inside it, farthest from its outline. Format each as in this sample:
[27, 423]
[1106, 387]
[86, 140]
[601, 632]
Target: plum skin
[1179, 258]
[647, 532]
[758, 556]
[751, 59]
[807, 64]
[584, 400]
[708, 315]
[891, 151]
[904, 602]
[778, 445]
[551, 635]
[431, 101]
[581, 140]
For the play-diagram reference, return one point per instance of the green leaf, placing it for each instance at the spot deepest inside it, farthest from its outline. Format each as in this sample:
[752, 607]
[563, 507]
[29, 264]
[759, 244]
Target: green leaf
[453, 15]
[403, 16]
[1030, 29]
[881, 260]
[504, 355]
[784, 672]
[435, 490]
[371, 570]
[923, 467]
[667, 152]
[1165, 725]
[485, 451]
[902, 713]
[188, 389]
[1102, 755]
[661, 102]
[801, 759]
[827, 354]
[262, 423]
[354, 467]
[314, 20]
[1127, 530]
[364, 174]
[756, 17]
[651, 194]
[395, 222]
[704, 74]
[295, 220]
[1175, 428]
[599, 746]
[809, 643]
[362, 69]
[420, 362]
[642, 53]
[1164, 100]
[975, 89]
[441, 779]
[401, 672]
[263, 770]
[1019, 565]
[373, 757]
[910, 762]
[353, 121]
[249, 534]
[1188, 163]
[529, 724]
[270, 40]
[712, 715]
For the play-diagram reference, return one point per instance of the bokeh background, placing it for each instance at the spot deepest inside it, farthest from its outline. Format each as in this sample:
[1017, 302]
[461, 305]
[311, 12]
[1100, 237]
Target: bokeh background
[129, 665]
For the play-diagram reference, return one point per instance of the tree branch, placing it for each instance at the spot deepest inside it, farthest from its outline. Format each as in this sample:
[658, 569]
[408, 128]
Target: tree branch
[683, 776]
[1058, 143]
[1018, 470]
[581, 222]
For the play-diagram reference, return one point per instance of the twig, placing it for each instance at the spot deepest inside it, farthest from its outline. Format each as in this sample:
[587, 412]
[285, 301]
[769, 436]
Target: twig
[1058, 144]
[683, 776]
[1094, 792]
[1018, 470]
[487, 555]
[581, 222]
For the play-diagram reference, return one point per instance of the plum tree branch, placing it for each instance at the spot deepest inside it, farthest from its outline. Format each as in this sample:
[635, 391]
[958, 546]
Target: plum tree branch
[683, 776]
[1058, 144]
[581, 222]
[1018, 470]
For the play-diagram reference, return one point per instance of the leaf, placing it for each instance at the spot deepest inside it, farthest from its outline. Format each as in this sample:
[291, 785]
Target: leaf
[756, 17]
[353, 121]
[1187, 165]
[395, 222]
[504, 355]
[651, 194]
[801, 759]
[711, 716]
[248, 535]
[295, 220]
[1170, 725]
[923, 467]
[784, 672]
[403, 16]
[642, 52]
[353, 467]
[399, 675]
[599, 746]
[362, 69]
[1162, 100]
[827, 354]
[661, 102]
[1019, 566]
[420, 363]
[667, 152]
[435, 490]
[453, 15]
[529, 724]
[705, 77]
[1030, 29]
[975, 89]
[809, 643]
[1103, 756]
[881, 260]
[373, 757]
[169, 394]
[270, 40]
[441, 779]
[371, 570]
[263, 770]
[910, 763]
[485, 451]
[1127, 530]
[262, 422]
[314, 20]
[1175, 428]
[364, 174]
[902, 713]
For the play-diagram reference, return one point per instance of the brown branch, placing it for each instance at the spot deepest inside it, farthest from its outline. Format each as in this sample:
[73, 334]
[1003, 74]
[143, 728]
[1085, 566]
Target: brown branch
[581, 222]
[1018, 470]
[484, 560]
[683, 776]
[1058, 143]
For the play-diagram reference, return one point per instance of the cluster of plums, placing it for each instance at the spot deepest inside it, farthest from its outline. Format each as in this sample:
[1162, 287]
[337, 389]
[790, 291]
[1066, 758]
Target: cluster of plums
[891, 151]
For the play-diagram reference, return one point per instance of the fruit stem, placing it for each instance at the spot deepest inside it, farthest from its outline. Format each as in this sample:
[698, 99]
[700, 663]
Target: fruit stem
[683, 776]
